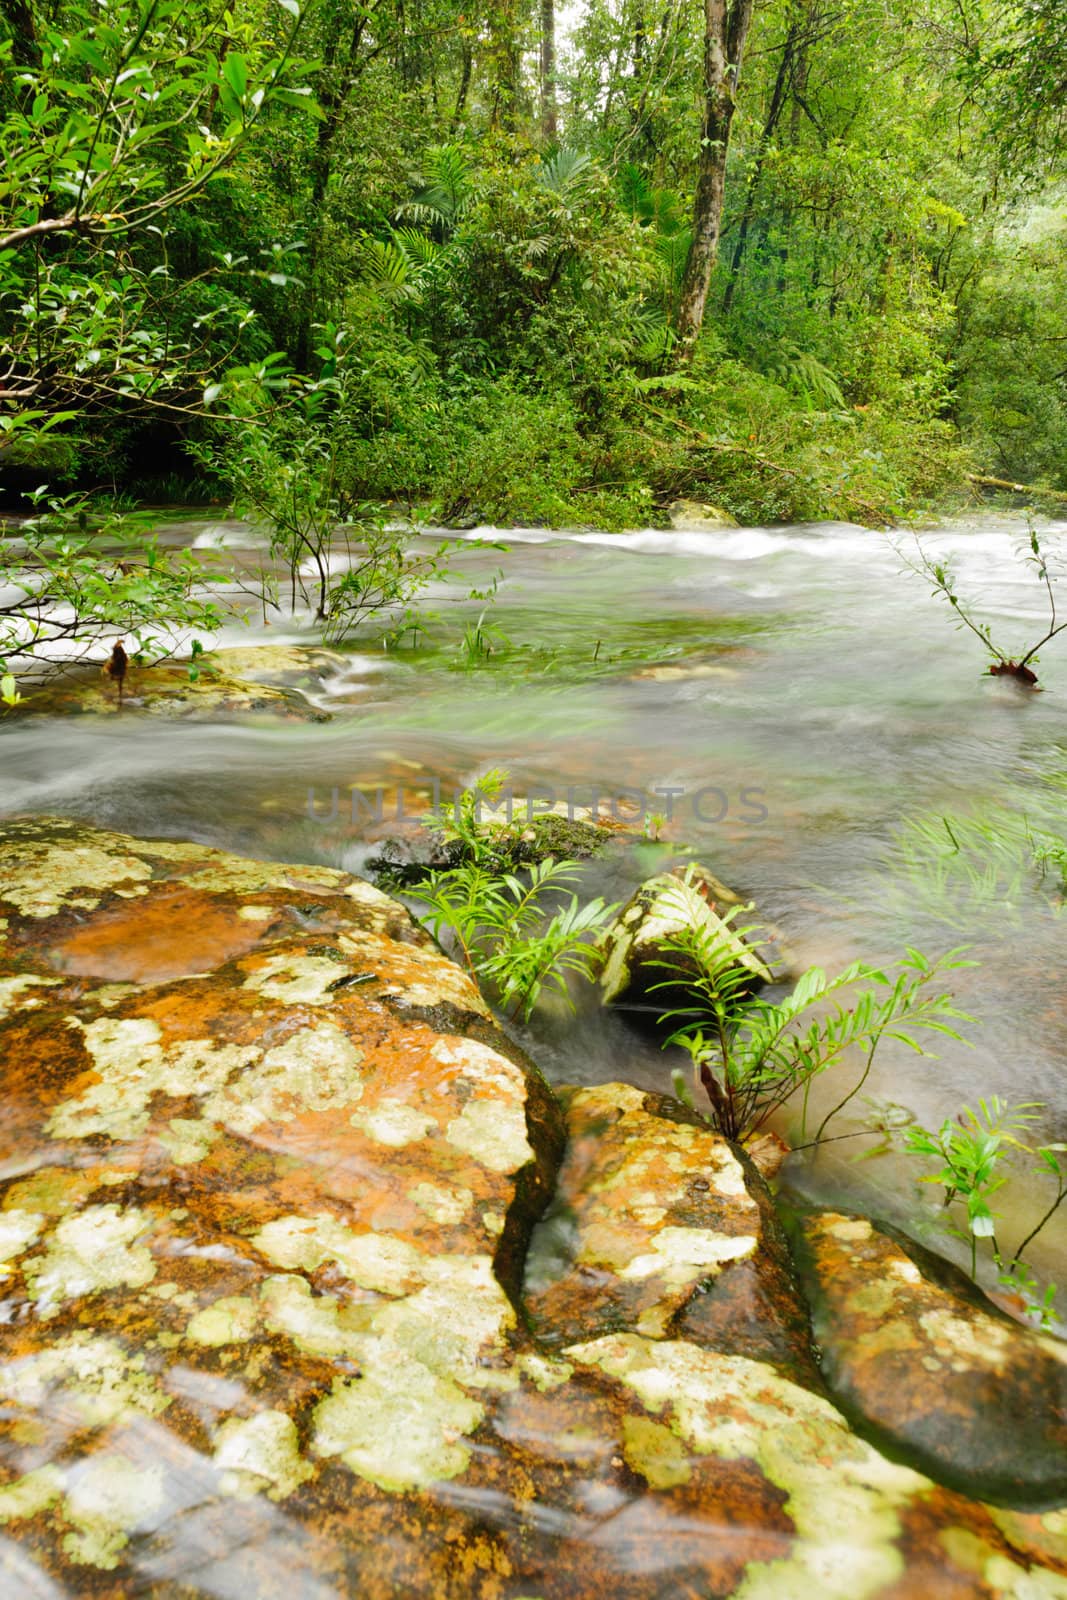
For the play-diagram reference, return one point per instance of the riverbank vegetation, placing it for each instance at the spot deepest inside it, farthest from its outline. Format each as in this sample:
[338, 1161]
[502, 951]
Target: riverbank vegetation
[572, 265]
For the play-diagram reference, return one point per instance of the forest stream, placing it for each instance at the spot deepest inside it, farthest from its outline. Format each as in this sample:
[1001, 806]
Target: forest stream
[801, 695]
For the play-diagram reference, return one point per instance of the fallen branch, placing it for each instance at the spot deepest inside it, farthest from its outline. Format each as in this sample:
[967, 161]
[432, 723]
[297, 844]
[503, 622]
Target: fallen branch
[1029, 489]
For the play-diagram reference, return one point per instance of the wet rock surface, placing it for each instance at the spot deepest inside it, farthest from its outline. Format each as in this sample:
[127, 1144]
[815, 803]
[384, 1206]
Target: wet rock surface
[659, 1225]
[638, 960]
[932, 1368]
[268, 1174]
[266, 680]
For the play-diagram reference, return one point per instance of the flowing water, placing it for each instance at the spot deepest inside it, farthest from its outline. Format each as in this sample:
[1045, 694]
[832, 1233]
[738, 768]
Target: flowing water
[794, 695]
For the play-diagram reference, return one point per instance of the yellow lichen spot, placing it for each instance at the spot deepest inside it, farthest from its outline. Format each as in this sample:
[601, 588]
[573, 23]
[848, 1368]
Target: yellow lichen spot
[399, 1425]
[850, 1230]
[230, 1320]
[259, 1455]
[127, 1055]
[544, 1372]
[373, 1260]
[684, 1255]
[454, 1321]
[493, 1223]
[17, 1230]
[107, 1499]
[40, 878]
[316, 1069]
[446, 1206]
[655, 1452]
[256, 913]
[972, 1340]
[393, 1123]
[296, 980]
[93, 1250]
[94, 1377]
[15, 993]
[314, 1323]
[188, 1139]
[493, 1133]
[28, 1495]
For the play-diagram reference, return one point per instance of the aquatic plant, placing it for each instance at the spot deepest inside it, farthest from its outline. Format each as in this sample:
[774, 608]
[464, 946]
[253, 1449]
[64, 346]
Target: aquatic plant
[973, 1152]
[751, 1055]
[500, 924]
[1002, 664]
[958, 866]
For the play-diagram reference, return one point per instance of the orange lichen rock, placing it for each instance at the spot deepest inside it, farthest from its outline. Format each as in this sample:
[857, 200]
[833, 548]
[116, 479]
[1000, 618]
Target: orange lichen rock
[935, 1368]
[269, 1174]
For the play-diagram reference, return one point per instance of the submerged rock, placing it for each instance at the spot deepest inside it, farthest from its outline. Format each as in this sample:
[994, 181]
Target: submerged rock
[932, 1368]
[636, 946]
[258, 680]
[268, 1174]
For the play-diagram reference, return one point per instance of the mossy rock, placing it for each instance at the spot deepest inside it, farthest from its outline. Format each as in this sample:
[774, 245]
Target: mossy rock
[210, 689]
[269, 1176]
[636, 945]
[930, 1367]
[576, 834]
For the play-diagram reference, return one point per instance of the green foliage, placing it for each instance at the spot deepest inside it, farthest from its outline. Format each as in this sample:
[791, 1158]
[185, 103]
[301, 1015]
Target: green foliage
[973, 1155]
[73, 583]
[504, 928]
[1019, 666]
[750, 1055]
[283, 459]
[982, 866]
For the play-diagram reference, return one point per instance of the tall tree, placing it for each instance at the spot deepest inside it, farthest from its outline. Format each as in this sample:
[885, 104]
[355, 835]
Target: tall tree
[726, 24]
[549, 109]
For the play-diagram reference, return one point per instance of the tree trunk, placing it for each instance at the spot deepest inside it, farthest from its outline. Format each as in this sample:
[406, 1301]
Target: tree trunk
[725, 29]
[463, 90]
[549, 108]
[506, 57]
[20, 20]
[779, 95]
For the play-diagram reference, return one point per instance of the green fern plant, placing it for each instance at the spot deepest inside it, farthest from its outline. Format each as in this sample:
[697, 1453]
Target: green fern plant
[497, 924]
[448, 196]
[750, 1055]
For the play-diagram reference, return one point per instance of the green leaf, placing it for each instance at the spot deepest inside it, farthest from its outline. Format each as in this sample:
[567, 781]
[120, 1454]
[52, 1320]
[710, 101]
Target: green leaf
[235, 72]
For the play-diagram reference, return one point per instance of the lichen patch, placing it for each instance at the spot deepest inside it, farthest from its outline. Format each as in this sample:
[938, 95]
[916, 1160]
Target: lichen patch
[17, 1230]
[493, 1133]
[316, 1069]
[399, 1425]
[394, 1123]
[107, 1499]
[260, 1454]
[88, 1252]
[93, 1377]
[841, 1494]
[41, 877]
[16, 994]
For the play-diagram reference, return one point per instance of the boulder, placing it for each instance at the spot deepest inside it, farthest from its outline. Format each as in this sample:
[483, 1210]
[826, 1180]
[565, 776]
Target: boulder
[529, 834]
[696, 516]
[636, 944]
[266, 680]
[660, 1225]
[933, 1369]
[268, 1177]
